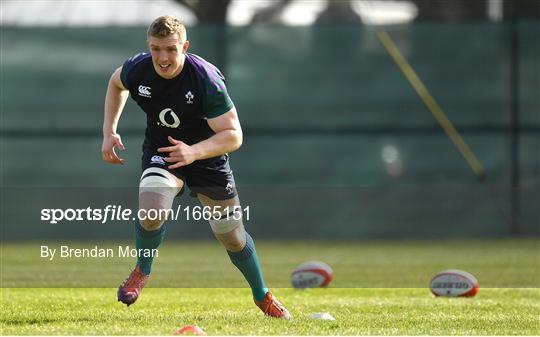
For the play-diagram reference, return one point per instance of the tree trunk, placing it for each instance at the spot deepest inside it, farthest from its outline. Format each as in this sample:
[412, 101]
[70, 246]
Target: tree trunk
[208, 11]
[451, 10]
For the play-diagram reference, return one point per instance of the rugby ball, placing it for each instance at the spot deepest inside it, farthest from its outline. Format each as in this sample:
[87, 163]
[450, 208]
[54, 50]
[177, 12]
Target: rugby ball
[312, 274]
[454, 283]
[190, 330]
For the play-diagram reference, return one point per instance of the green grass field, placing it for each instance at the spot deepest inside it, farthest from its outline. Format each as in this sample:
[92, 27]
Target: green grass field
[230, 312]
[380, 288]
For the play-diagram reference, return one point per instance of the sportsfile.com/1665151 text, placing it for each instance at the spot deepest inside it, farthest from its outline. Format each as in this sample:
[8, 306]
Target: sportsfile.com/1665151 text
[119, 213]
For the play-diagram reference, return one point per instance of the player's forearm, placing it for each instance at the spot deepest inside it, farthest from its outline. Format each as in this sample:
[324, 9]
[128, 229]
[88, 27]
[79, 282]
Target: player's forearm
[225, 141]
[115, 100]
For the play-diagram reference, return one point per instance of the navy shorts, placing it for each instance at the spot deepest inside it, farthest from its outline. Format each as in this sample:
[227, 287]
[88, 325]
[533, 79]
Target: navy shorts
[211, 177]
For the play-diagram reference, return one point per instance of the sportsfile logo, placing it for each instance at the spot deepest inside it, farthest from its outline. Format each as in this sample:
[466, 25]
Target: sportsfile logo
[144, 91]
[120, 213]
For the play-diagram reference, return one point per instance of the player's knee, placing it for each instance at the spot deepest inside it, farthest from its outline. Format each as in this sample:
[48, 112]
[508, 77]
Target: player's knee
[150, 223]
[153, 211]
[230, 232]
[152, 217]
[159, 184]
[225, 224]
[234, 244]
[234, 241]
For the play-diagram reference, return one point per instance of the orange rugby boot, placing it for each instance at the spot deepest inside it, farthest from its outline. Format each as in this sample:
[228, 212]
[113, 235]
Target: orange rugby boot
[130, 290]
[272, 307]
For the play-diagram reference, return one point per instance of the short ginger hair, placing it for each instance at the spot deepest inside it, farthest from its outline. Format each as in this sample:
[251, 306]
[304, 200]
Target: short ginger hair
[167, 25]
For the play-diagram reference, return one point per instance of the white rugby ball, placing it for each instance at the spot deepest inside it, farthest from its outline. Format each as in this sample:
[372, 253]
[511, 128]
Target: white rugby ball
[312, 274]
[454, 283]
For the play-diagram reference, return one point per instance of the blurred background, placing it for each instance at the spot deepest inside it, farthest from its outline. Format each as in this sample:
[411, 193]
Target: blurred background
[337, 142]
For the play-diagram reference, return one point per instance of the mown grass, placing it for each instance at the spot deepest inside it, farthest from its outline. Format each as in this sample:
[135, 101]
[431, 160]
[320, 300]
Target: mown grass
[380, 288]
[94, 311]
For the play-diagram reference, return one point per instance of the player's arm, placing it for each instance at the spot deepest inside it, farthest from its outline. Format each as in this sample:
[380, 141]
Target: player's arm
[227, 138]
[115, 100]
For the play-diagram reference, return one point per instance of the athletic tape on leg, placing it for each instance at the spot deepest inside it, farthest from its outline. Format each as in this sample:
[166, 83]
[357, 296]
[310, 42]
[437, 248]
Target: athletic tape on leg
[227, 222]
[159, 181]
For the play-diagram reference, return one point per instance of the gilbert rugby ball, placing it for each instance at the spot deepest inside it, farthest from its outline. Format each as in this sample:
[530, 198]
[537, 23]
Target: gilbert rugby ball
[312, 274]
[454, 283]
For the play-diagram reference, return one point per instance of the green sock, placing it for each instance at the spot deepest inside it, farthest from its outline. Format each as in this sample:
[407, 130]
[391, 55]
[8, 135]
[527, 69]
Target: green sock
[147, 240]
[247, 262]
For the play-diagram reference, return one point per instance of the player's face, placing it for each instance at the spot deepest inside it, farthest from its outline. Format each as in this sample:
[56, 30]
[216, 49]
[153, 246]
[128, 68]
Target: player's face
[168, 54]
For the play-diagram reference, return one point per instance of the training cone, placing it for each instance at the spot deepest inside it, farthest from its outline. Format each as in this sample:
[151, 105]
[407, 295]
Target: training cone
[190, 330]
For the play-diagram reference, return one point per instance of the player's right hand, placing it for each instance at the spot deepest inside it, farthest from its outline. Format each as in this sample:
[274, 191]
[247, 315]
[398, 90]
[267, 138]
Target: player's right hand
[108, 154]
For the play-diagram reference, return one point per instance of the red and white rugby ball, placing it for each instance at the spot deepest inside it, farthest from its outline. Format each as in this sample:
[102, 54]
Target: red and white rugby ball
[190, 330]
[454, 283]
[312, 274]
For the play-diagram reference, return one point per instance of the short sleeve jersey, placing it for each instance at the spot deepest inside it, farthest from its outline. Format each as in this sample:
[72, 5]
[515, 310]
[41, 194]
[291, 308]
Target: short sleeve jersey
[177, 107]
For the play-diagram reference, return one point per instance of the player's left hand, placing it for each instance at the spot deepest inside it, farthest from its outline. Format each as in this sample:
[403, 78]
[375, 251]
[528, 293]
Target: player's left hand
[180, 153]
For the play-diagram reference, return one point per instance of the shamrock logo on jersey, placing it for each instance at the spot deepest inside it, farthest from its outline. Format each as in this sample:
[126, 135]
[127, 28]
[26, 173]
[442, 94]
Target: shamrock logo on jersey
[189, 97]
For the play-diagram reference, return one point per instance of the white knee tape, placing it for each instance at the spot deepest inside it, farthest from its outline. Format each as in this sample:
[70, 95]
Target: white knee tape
[225, 224]
[160, 181]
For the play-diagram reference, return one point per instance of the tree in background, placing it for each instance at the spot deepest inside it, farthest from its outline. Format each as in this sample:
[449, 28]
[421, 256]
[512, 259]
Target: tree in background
[526, 9]
[338, 11]
[215, 11]
[451, 10]
[455, 10]
[271, 14]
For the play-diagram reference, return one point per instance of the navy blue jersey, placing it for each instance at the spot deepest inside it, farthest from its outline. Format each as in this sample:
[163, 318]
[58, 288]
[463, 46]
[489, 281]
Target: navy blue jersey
[176, 107]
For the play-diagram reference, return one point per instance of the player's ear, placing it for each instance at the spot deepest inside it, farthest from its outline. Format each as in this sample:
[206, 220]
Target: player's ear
[185, 47]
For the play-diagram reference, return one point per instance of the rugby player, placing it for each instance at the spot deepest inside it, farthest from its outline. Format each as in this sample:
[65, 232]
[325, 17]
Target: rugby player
[192, 125]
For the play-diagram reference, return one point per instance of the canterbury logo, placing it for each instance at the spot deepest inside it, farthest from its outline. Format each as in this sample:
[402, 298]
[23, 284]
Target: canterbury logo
[144, 91]
[157, 160]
